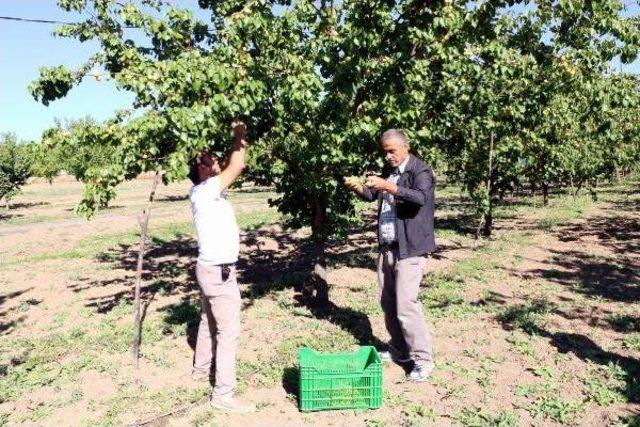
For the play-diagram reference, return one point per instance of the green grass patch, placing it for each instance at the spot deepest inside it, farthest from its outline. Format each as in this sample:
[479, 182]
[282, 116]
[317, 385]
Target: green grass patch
[545, 399]
[33, 362]
[139, 400]
[528, 317]
[632, 342]
[602, 393]
[561, 210]
[416, 414]
[443, 296]
[555, 408]
[23, 220]
[310, 332]
[522, 344]
[477, 417]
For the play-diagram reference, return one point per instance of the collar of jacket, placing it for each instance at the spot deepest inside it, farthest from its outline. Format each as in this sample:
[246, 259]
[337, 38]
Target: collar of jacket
[410, 168]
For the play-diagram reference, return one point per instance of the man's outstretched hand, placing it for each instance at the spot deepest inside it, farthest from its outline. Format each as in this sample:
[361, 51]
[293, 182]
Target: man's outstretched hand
[353, 183]
[239, 132]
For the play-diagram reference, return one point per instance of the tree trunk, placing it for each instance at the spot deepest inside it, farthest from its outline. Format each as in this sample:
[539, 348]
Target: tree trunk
[7, 206]
[321, 296]
[488, 215]
[545, 193]
[594, 191]
[573, 189]
[321, 287]
[488, 221]
[143, 220]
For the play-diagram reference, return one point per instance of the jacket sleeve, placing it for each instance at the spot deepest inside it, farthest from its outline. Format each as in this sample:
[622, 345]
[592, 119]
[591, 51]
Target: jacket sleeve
[420, 191]
[369, 194]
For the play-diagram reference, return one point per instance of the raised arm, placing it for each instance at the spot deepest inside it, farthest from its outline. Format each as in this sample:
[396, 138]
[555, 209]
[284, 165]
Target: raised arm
[234, 163]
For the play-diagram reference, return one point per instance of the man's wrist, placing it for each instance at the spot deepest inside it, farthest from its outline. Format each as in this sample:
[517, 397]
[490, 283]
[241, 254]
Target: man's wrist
[390, 187]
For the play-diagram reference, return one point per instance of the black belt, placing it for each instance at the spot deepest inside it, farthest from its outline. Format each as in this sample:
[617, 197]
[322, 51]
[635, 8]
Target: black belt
[389, 246]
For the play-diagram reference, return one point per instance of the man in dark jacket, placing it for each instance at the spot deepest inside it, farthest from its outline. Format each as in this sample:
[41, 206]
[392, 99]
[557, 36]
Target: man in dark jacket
[405, 195]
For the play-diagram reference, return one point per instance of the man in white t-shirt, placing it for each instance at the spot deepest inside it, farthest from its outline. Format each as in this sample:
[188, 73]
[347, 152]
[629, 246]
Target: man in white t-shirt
[218, 247]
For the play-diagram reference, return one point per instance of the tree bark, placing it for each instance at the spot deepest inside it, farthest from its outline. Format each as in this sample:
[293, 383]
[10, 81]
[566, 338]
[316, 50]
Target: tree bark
[488, 215]
[321, 287]
[545, 193]
[143, 221]
[488, 222]
[573, 187]
[533, 189]
[594, 191]
[321, 296]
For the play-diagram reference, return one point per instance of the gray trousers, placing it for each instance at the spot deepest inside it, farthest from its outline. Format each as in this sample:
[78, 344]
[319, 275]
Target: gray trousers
[219, 328]
[399, 286]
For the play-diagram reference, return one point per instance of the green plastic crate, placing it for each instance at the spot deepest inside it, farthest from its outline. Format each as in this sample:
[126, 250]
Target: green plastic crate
[340, 381]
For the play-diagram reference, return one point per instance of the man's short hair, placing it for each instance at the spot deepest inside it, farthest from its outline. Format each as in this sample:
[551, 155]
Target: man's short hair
[395, 134]
[194, 164]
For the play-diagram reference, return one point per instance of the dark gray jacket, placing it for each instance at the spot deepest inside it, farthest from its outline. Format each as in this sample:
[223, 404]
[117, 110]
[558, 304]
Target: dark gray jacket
[414, 208]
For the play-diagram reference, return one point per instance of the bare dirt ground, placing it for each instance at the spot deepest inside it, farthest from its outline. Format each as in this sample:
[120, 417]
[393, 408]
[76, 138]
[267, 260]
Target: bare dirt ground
[538, 326]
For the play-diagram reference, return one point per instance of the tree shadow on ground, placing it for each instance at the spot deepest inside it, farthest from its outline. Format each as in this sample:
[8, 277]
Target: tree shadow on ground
[172, 198]
[619, 233]
[24, 205]
[455, 214]
[7, 325]
[168, 269]
[463, 224]
[615, 277]
[587, 350]
[491, 299]
[252, 190]
[10, 216]
[630, 420]
[624, 323]
[523, 317]
[185, 313]
[105, 208]
[11, 295]
[271, 260]
[605, 277]
[352, 321]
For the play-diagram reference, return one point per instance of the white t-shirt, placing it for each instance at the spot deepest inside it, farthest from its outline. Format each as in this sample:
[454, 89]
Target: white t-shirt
[215, 222]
